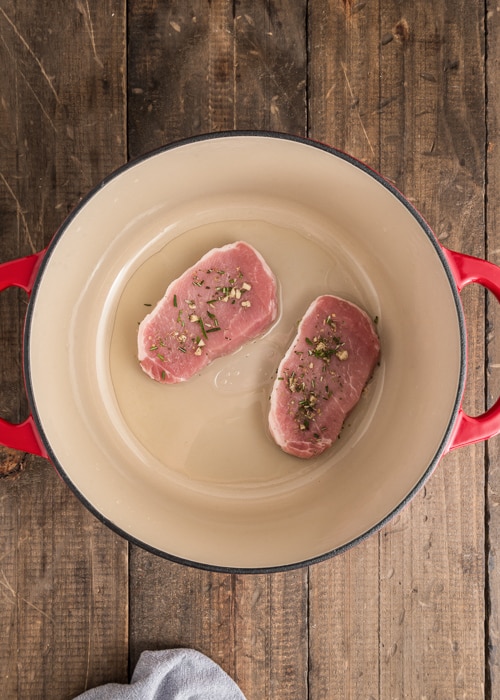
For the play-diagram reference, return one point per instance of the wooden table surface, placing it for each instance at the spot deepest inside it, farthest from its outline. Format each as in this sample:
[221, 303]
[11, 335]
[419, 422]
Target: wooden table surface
[412, 88]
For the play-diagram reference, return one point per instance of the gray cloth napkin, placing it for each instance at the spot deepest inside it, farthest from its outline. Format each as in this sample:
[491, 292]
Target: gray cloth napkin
[171, 674]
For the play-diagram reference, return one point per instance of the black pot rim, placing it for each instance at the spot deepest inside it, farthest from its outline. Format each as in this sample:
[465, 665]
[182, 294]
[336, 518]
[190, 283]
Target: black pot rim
[224, 135]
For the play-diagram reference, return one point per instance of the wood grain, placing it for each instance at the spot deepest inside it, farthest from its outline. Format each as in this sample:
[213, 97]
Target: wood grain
[436, 592]
[63, 576]
[254, 626]
[492, 589]
[180, 82]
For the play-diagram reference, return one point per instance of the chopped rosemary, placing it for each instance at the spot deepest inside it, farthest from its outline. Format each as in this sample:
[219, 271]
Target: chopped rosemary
[202, 326]
[225, 290]
[213, 318]
[175, 300]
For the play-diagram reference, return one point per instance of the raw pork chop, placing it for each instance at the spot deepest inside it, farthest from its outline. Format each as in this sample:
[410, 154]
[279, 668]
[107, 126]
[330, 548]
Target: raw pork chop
[227, 298]
[322, 375]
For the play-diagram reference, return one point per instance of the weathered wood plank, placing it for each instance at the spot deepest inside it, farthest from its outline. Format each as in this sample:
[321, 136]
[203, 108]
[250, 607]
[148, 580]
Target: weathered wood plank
[270, 66]
[271, 635]
[254, 626]
[63, 576]
[418, 117]
[493, 358]
[343, 77]
[344, 625]
[432, 575]
[214, 68]
[181, 82]
[175, 606]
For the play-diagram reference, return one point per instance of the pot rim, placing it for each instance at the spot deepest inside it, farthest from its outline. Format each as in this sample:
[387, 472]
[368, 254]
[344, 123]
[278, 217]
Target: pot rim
[265, 134]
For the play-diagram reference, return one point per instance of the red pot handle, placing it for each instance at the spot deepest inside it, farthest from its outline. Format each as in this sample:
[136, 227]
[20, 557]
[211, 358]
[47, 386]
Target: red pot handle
[466, 270]
[21, 436]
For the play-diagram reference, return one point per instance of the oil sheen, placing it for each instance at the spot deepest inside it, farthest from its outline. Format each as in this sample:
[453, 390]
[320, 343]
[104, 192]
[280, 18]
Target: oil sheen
[211, 431]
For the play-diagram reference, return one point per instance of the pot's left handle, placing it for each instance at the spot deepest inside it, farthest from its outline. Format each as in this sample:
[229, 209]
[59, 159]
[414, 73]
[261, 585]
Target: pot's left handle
[21, 436]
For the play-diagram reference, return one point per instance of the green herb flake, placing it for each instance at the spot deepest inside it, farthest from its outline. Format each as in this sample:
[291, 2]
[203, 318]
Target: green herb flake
[213, 318]
[175, 300]
[202, 326]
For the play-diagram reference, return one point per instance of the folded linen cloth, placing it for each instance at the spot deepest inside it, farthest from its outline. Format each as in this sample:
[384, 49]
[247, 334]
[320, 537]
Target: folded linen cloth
[171, 674]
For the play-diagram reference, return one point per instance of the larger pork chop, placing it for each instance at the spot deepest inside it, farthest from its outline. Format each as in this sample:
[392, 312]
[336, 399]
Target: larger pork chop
[226, 299]
[322, 375]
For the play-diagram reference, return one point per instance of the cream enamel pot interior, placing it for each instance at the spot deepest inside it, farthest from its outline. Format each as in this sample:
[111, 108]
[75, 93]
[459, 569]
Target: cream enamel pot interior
[189, 471]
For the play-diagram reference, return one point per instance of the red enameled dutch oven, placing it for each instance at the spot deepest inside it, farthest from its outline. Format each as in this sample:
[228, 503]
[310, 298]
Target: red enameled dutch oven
[190, 471]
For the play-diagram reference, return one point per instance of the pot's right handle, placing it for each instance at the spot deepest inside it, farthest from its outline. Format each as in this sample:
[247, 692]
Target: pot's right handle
[21, 436]
[467, 269]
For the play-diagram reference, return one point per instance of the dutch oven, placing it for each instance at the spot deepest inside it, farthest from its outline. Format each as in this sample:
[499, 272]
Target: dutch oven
[190, 471]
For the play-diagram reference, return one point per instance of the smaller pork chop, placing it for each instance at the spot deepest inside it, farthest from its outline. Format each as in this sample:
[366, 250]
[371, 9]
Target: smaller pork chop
[226, 299]
[322, 375]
